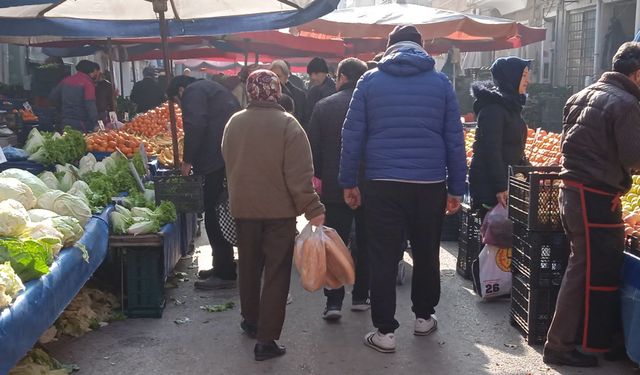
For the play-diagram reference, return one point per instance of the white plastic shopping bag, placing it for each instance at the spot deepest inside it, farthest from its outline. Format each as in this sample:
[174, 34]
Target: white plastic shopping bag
[492, 272]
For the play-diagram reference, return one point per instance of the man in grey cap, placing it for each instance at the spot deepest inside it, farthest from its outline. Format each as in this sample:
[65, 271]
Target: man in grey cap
[147, 93]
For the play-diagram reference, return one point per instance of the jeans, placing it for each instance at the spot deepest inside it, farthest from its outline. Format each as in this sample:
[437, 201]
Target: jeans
[340, 217]
[395, 211]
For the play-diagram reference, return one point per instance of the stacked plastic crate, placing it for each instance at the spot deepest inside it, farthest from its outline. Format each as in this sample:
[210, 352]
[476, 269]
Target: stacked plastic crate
[540, 249]
[469, 242]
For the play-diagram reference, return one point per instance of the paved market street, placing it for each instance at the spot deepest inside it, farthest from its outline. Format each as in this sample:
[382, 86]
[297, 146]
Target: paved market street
[473, 338]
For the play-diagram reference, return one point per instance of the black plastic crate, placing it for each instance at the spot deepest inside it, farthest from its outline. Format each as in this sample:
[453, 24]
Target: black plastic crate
[533, 200]
[144, 282]
[451, 227]
[541, 257]
[469, 242]
[632, 245]
[186, 192]
[532, 309]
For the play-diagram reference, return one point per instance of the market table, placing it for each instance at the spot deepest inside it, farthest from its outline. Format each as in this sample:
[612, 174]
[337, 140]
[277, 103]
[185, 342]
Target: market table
[38, 307]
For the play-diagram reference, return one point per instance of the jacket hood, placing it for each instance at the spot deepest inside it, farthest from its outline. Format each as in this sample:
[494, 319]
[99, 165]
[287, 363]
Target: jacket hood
[406, 59]
[486, 94]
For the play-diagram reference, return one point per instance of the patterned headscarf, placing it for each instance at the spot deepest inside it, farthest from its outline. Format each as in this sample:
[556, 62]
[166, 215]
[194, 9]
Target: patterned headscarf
[264, 86]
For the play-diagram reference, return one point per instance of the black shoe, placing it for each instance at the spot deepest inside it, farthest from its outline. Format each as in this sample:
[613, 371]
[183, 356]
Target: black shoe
[332, 313]
[249, 329]
[263, 352]
[213, 283]
[205, 274]
[573, 358]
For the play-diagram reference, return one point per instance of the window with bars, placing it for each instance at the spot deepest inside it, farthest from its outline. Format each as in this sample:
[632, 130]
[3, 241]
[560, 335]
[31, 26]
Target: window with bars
[581, 47]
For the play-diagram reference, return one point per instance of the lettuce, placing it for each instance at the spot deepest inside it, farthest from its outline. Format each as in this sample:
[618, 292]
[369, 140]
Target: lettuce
[13, 218]
[11, 188]
[142, 212]
[70, 228]
[46, 233]
[144, 227]
[86, 164]
[29, 258]
[120, 223]
[35, 141]
[165, 213]
[67, 181]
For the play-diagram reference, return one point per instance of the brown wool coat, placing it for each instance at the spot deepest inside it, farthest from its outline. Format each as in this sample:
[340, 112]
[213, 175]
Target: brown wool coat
[269, 165]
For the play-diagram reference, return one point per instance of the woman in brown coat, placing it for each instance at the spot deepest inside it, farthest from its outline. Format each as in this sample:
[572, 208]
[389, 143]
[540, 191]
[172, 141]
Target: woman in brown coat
[269, 172]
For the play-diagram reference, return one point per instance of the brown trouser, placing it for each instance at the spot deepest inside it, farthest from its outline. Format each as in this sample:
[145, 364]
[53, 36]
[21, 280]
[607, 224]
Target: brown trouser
[569, 314]
[265, 245]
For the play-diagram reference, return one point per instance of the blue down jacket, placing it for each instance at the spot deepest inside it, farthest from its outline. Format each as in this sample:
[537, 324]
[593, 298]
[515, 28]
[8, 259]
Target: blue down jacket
[404, 124]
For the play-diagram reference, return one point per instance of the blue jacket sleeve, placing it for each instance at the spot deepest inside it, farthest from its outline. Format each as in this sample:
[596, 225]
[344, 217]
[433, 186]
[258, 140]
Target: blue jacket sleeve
[354, 133]
[454, 142]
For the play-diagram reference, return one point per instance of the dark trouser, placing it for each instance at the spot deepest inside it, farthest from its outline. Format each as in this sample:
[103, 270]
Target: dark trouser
[393, 210]
[340, 217]
[222, 251]
[569, 318]
[265, 245]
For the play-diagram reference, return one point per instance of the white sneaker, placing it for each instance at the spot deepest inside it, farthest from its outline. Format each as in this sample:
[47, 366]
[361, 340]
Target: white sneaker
[381, 342]
[425, 327]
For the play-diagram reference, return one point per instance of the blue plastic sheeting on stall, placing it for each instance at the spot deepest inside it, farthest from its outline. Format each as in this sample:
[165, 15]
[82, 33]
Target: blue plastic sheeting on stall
[630, 297]
[94, 28]
[38, 307]
[30, 166]
[171, 246]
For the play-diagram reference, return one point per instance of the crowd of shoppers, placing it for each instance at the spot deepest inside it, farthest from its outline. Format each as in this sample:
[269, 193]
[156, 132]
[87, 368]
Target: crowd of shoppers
[386, 142]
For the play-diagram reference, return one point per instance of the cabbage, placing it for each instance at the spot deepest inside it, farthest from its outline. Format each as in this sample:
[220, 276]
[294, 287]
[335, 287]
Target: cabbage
[41, 156]
[120, 222]
[49, 179]
[35, 141]
[109, 163]
[13, 218]
[80, 189]
[99, 167]
[9, 280]
[67, 181]
[35, 184]
[12, 188]
[70, 228]
[56, 135]
[86, 164]
[65, 205]
[144, 227]
[5, 299]
[46, 233]
[38, 214]
[142, 212]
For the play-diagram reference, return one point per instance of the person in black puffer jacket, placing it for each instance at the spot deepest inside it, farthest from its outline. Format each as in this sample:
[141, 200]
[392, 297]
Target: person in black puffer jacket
[502, 133]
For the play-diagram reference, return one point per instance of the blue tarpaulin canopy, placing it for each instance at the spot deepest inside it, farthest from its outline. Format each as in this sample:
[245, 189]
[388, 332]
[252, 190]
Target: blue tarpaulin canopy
[23, 21]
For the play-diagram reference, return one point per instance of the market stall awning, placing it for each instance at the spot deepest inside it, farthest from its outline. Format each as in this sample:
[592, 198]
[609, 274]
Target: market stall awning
[21, 20]
[369, 27]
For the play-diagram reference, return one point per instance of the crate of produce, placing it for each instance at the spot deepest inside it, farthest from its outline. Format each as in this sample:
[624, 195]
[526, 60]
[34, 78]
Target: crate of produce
[533, 197]
[540, 257]
[186, 192]
[451, 227]
[146, 261]
[469, 243]
[532, 308]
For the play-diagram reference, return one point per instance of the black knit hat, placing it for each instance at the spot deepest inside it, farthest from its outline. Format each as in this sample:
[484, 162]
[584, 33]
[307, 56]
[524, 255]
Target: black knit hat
[404, 33]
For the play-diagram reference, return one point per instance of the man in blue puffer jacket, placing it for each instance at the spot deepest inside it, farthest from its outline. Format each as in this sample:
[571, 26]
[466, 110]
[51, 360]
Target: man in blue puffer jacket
[404, 124]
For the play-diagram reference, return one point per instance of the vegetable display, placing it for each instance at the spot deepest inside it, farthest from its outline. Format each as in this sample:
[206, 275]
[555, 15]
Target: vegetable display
[142, 220]
[631, 209]
[154, 121]
[10, 284]
[53, 148]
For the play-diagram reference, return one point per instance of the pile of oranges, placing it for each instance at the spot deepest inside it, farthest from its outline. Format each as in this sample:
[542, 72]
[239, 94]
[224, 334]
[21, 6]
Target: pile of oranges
[154, 122]
[109, 141]
[542, 149]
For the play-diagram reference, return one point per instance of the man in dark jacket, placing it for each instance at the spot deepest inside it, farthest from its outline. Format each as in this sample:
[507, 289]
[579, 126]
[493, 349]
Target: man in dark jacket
[403, 123]
[325, 130]
[281, 69]
[206, 108]
[147, 94]
[600, 148]
[75, 96]
[320, 86]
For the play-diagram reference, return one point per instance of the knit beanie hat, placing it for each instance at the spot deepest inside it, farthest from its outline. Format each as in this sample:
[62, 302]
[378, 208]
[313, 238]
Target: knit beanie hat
[404, 33]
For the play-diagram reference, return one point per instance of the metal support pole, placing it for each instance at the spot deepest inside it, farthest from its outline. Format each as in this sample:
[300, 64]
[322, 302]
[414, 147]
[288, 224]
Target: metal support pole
[168, 73]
